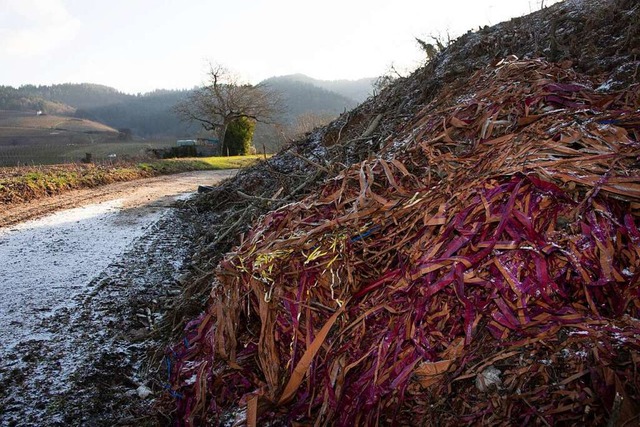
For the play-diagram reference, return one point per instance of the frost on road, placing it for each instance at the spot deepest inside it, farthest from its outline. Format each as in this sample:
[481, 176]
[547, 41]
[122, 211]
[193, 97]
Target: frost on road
[49, 261]
[81, 293]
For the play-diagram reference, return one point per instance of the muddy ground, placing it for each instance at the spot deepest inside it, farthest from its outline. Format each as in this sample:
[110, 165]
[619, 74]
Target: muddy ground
[83, 291]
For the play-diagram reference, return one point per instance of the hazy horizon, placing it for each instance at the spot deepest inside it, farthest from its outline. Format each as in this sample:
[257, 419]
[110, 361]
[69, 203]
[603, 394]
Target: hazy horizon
[171, 89]
[140, 46]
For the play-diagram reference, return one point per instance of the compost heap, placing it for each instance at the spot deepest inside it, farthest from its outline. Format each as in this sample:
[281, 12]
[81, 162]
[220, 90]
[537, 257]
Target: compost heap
[483, 268]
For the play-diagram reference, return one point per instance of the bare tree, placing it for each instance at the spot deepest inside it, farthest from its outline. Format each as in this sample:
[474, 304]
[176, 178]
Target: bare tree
[225, 99]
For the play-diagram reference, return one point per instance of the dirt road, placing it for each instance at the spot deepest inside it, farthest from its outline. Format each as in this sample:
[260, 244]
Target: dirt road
[159, 191]
[81, 290]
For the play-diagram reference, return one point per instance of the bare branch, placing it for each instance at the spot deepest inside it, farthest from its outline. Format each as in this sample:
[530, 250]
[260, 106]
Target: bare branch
[224, 99]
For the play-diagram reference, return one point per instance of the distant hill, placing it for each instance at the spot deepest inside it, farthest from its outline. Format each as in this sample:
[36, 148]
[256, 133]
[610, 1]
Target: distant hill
[76, 95]
[301, 97]
[24, 100]
[28, 128]
[29, 138]
[357, 90]
[31, 121]
[151, 115]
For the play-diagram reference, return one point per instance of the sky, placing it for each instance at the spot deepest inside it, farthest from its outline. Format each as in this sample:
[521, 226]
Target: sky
[137, 46]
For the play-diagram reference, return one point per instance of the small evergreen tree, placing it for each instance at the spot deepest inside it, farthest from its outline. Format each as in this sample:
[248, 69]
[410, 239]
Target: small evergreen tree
[238, 138]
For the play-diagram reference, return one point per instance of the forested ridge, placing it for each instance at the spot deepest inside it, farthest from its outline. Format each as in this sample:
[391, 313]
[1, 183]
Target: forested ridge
[151, 115]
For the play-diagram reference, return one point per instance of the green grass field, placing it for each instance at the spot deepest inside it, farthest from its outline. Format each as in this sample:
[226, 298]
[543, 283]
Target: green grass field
[232, 162]
[201, 163]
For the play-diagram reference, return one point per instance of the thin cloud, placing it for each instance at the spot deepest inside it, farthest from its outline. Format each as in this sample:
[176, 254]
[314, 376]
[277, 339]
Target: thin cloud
[34, 27]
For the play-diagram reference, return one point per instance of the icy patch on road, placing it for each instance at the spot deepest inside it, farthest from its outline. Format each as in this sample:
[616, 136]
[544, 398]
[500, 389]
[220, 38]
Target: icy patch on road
[46, 262]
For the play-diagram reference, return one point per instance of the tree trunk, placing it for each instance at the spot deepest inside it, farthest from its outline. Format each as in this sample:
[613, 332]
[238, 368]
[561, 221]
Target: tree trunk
[223, 132]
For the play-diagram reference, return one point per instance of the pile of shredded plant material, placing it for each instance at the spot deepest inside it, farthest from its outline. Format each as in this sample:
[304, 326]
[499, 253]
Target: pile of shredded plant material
[494, 257]
[482, 268]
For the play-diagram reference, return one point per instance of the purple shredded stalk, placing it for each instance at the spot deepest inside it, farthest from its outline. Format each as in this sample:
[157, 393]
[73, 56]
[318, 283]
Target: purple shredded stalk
[517, 261]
